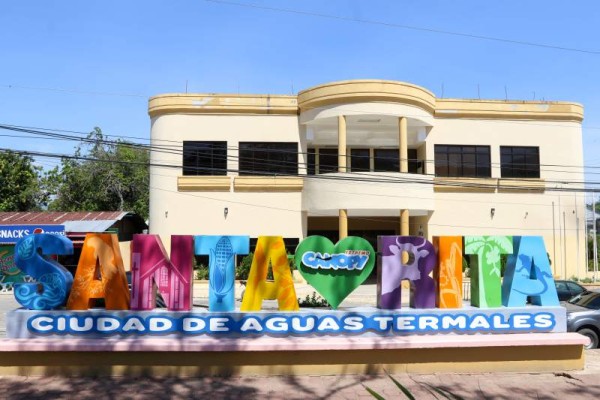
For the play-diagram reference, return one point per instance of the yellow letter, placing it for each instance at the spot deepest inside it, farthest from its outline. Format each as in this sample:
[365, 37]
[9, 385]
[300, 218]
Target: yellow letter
[270, 249]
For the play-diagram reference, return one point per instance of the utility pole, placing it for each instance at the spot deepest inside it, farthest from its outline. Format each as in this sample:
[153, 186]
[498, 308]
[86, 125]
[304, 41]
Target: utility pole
[594, 237]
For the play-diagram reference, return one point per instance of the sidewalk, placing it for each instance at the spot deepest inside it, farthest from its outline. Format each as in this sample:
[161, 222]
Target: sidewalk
[468, 386]
[574, 385]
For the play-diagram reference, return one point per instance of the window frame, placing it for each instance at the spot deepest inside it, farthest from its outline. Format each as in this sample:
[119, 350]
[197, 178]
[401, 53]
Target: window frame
[451, 158]
[529, 168]
[195, 148]
[267, 163]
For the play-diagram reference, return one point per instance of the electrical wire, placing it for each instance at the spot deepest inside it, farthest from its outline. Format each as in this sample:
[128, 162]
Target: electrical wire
[401, 26]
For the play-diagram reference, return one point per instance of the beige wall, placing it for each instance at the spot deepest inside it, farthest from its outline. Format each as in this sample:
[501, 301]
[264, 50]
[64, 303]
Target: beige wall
[520, 213]
[174, 212]
[554, 127]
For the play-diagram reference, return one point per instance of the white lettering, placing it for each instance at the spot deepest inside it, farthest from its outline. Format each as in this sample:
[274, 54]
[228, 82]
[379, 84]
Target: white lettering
[193, 324]
[88, 323]
[521, 321]
[405, 323]
[218, 325]
[277, 324]
[543, 321]
[454, 321]
[353, 323]
[61, 324]
[134, 324]
[479, 321]
[42, 324]
[383, 322]
[159, 324]
[107, 324]
[251, 324]
[310, 324]
[328, 323]
[498, 322]
[428, 322]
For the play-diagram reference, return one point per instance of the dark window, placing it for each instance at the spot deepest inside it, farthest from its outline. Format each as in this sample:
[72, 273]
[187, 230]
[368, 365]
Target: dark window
[519, 162]
[204, 158]
[328, 161]
[268, 158]
[290, 244]
[360, 160]
[310, 162]
[387, 160]
[462, 161]
[414, 165]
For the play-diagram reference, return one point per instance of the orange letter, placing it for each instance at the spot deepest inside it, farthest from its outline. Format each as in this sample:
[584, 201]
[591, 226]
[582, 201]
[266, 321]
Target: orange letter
[100, 274]
[448, 275]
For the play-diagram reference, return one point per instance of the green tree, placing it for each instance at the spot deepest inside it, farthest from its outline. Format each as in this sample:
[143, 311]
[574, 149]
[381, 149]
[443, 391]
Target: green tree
[20, 188]
[103, 176]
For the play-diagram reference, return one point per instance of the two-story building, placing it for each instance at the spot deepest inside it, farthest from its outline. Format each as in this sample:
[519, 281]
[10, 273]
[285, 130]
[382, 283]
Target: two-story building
[368, 158]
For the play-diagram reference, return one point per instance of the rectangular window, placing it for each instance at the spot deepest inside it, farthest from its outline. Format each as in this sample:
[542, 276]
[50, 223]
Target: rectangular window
[360, 160]
[204, 158]
[519, 162]
[310, 162]
[387, 160]
[414, 165]
[328, 161]
[462, 161]
[268, 158]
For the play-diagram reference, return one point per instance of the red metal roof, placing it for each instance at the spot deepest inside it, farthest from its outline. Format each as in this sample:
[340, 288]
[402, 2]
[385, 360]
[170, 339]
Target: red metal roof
[57, 217]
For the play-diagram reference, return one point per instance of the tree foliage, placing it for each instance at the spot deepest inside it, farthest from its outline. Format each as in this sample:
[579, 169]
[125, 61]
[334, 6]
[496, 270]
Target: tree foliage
[20, 188]
[103, 176]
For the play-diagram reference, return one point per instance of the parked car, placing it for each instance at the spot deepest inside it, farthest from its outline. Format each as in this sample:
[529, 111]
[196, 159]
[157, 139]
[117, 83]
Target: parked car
[568, 289]
[583, 316]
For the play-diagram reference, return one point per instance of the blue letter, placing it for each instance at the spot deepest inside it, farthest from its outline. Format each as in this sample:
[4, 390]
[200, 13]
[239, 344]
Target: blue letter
[221, 271]
[528, 274]
[53, 280]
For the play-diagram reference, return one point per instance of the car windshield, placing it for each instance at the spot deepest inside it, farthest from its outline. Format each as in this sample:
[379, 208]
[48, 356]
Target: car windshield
[589, 300]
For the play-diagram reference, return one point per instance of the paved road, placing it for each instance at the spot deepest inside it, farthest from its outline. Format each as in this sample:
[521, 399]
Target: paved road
[575, 385]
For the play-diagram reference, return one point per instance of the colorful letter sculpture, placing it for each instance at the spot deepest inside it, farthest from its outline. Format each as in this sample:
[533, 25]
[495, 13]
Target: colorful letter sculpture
[335, 270]
[448, 275]
[100, 274]
[53, 280]
[9, 272]
[150, 265]
[392, 271]
[485, 268]
[270, 249]
[221, 273]
[528, 274]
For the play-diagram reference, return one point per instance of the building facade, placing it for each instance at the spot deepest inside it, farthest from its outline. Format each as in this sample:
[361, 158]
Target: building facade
[368, 158]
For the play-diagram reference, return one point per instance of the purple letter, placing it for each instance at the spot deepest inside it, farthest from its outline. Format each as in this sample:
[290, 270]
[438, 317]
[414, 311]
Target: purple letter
[392, 271]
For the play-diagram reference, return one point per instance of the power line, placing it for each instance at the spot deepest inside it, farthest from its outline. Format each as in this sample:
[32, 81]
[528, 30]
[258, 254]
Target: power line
[401, 26]
[73, 91]
[265, 162]
[398, 180]
[174, 150]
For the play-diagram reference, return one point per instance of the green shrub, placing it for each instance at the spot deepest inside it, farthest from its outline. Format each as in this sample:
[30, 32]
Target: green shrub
[313, 300]
[243, 268]
[586, 280]
[201, 272]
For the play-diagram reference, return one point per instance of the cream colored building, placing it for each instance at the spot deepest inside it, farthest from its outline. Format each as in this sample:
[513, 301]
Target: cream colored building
[369, 157]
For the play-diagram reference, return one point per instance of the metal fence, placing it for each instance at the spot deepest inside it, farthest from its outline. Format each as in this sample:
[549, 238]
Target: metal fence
[466, 290]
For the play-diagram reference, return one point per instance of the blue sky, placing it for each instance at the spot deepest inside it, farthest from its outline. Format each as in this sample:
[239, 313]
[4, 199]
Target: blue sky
[74, 65]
